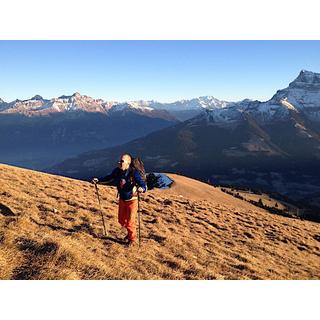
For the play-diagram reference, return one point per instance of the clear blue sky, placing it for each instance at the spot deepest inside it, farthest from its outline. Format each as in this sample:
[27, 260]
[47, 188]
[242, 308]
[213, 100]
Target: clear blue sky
[161, 70]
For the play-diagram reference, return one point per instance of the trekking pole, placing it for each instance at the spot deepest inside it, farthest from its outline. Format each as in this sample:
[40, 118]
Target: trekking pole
[139, 218]
[97, 192]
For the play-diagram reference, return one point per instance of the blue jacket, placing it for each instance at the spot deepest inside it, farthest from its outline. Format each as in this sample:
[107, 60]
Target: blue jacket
[125, 181]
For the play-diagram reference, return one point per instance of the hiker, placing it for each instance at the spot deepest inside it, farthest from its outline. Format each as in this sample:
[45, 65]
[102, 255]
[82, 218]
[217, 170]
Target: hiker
[129, 182]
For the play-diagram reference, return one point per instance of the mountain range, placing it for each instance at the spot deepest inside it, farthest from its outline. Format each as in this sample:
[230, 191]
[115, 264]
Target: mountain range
[272, 145]
[37, 133]
[38, 106]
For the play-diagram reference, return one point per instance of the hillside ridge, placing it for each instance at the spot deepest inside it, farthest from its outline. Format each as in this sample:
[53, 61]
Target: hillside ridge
[50, 228]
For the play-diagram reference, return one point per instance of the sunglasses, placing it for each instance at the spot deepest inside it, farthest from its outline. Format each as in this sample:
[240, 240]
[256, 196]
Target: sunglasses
[122, 161]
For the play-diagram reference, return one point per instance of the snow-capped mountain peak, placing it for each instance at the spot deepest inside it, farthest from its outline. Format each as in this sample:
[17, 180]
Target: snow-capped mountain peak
[142, 104]
[306, 79]
[37, 105]
[37, 97]
[76, 95]
[302, 94]
[212, 102]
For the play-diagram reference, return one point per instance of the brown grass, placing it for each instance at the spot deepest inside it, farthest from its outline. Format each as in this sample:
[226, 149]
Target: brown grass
[50, 228]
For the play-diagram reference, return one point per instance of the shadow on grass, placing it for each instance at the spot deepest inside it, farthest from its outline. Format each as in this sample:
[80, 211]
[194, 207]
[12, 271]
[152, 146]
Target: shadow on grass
[113, 239]
[84, 227]
[6, 211]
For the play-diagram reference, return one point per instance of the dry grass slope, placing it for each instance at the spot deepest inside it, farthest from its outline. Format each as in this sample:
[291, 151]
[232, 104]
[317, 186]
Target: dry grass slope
[50, 228]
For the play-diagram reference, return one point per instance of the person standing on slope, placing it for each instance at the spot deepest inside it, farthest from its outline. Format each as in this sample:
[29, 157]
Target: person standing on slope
[127, 179]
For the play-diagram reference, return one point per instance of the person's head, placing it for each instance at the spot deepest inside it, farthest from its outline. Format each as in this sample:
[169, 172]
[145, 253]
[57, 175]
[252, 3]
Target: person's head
[124, 162]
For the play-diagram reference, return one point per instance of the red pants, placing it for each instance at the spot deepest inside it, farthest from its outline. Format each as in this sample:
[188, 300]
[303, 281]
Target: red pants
[127, 216]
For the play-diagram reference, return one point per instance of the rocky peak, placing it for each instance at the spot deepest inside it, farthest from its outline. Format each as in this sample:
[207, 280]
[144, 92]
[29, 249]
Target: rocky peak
[76, 95]
[36, 97]
[306, 79]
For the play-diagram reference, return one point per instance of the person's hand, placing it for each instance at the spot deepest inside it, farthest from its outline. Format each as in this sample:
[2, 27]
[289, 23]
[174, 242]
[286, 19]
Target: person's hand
[95, 180]
[140, 189]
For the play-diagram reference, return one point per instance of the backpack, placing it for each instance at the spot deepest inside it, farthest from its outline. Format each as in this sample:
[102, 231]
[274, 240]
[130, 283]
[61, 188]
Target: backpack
[137, 164]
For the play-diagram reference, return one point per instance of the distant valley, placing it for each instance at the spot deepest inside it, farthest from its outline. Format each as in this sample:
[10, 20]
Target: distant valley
[272, 145]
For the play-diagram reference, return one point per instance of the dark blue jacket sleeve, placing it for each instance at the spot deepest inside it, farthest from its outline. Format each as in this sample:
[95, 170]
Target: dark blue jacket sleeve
[109, 178]
[139, 181]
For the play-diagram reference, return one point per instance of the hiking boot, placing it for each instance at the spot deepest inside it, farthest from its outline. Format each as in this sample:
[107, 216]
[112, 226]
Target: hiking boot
[131, 243]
